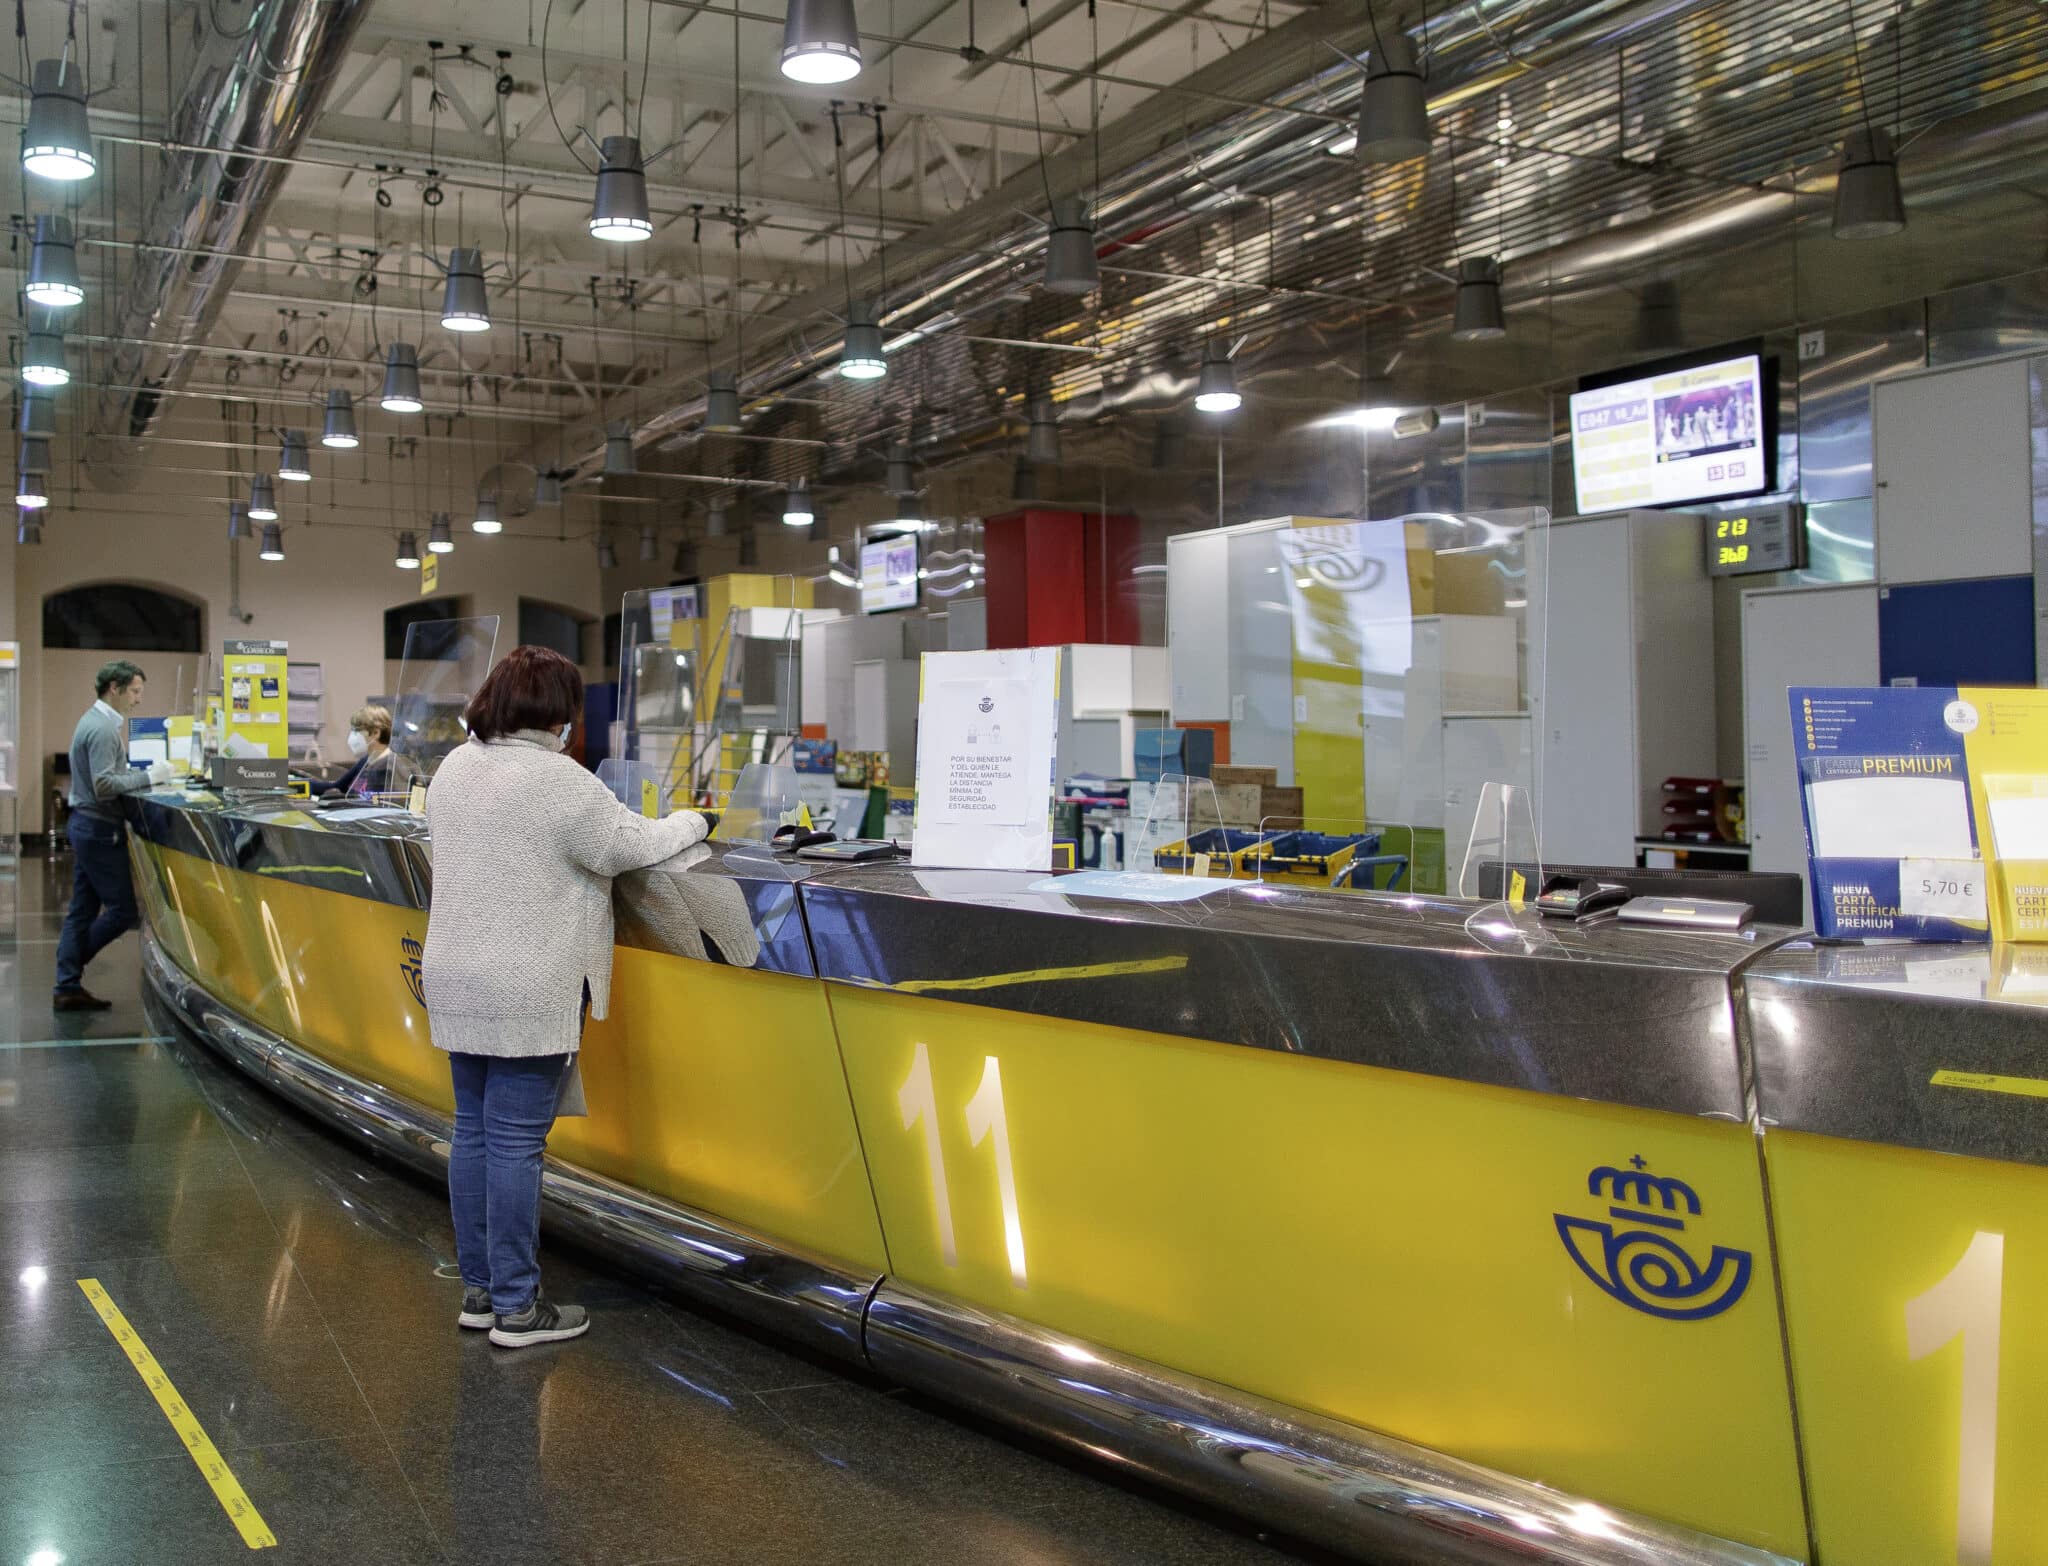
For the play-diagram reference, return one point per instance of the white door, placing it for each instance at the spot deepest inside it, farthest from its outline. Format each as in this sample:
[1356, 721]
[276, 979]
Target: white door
[1949, 456]
[1793, 636]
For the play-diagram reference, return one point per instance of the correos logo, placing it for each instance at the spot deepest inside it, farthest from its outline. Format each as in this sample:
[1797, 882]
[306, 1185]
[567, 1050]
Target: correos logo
[1635, 1256]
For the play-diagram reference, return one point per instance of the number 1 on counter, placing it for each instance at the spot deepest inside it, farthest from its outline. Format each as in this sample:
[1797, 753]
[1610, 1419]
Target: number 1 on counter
[1965, 1304]
[918, 1099]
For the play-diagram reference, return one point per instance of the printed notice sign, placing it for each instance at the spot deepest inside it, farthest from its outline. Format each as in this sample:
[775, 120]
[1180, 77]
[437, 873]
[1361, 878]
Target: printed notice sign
[987, 722]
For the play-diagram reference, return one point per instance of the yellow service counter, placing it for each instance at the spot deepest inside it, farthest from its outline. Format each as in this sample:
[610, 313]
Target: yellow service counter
[1412, 1225]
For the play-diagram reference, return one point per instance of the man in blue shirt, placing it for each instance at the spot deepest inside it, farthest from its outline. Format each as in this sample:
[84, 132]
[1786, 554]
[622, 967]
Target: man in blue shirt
[102, 897]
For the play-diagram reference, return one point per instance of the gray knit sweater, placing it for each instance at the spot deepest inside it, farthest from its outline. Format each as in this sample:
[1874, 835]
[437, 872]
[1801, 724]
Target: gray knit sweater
[525, 846]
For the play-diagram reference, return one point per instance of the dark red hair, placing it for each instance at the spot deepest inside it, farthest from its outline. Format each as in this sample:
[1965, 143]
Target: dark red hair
[531, 688]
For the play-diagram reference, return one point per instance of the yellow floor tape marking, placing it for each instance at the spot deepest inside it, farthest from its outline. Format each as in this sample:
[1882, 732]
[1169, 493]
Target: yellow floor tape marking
[998, 981]
[213, 1467]
[2024, 1087]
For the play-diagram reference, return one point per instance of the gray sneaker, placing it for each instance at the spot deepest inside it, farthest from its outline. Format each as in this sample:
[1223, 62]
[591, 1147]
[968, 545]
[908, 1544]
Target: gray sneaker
[541, 1322]
[476, 1310]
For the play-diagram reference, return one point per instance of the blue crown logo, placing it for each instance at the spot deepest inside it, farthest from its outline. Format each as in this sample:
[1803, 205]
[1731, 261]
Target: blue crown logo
[411, 969]
[1638, 1261]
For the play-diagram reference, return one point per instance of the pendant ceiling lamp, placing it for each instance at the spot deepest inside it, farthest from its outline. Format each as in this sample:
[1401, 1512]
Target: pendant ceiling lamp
[750, 549]
[441, 534]
[722, 402]
[547, 489]
[1393, 113]
[861, 358]
[1042, 444]
[28, 528]
[607, 557]
[909, 513]
[272, 547]
[1070, 266]
[35, 454]
[238, 521]
[1216, 389]
[820, 43]
[292, 460]
[339, 430]
[619, 460]
[619, 213]
[38, 412]
[53, 266]
[464, 305]
[58, 141]
[798, 510]
[29, 493]
[42, 362]
[650, 543]
[402, 379]
[714, 517]
[1867, 200]
[262, 499]
[1024, 480]
[1478, 316]
[486, 519]
[1169, 445]
[685, 562]
[902, 474]
[408, 552]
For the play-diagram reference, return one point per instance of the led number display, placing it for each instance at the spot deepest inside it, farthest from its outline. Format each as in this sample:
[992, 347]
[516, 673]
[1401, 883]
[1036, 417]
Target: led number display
[1767, 538]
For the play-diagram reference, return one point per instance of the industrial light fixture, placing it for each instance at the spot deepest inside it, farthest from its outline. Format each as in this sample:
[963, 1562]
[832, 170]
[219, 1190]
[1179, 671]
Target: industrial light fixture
[1393, 114]
[42, 362]
[619, 212]
[464, 305]
[339, 431]
[441, 534]
[1042, 443]
[1867, 200]
[619, 460]
[272, 547]
[820, 43]
[750, 548]
[1216, 389]
[902, 472]
[1415, 422]
[1478, 316]
[486, 519]
[38, 412]
[909, 514]
[1070, 249]
[797, 508]
[650, 543]
[292, 461]
[408, 552]
[238, 521]
[1024, 480]
[547, 489]
[35, 454]
[1169, 444]
[607, 557]
[28, 528]
[262, 499]
[714, 517]
[685, 563]
[402, 379]
[861, 358]
[57, 143]
[29, 493]
[53, 265]
[722, 402]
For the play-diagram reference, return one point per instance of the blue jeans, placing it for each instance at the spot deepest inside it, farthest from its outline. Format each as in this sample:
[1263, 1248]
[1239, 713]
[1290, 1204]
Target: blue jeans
[102, 896]
[504, 1108]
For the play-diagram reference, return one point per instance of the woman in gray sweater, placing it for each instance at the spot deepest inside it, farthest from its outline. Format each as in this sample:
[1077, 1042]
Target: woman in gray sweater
[519, 947]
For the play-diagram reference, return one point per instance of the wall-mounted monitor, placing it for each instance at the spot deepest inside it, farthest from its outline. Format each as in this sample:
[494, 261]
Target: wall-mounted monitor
[888, 574]
[1677, 432]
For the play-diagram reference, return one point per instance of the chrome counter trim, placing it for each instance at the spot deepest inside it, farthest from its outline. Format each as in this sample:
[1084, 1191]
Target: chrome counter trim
[808, 1299]
[283, 839]
[1365, 1494]
[1848, 1040]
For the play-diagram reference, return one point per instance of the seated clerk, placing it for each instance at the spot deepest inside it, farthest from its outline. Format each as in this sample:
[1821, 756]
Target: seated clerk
[377, 770]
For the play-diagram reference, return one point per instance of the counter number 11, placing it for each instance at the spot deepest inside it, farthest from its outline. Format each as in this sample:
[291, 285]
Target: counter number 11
[986, 1117]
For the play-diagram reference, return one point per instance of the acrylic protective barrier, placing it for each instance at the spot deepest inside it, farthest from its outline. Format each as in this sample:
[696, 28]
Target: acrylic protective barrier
[444, 662]
[707, 687]
[1381, 672]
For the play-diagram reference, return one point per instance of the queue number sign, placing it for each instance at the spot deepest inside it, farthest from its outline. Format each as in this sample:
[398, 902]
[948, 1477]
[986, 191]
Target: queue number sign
[1756, 540]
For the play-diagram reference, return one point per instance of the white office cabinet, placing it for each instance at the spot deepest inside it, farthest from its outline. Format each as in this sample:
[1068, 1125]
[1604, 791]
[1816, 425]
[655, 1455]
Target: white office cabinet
[1459, 663]
[1197, 621]
[1949, 455]
[1793, 636]
[1230, 638]
[1621, 674]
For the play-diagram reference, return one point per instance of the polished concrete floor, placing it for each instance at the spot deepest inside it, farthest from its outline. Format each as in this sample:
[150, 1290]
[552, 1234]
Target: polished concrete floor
[301, 1299]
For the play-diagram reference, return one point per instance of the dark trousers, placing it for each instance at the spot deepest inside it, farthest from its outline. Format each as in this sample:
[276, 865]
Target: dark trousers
[504, 1108]
[102, 896]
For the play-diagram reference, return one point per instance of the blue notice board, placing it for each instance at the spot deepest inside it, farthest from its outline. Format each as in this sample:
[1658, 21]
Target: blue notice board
[1957, 633]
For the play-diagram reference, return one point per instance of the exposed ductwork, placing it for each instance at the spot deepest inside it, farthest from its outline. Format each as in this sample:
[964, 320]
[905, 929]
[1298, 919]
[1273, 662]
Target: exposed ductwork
[261, 70]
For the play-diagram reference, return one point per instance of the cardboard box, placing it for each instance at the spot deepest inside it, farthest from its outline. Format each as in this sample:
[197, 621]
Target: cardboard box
[1239, 804]
[1258, 777]
[1281, 806]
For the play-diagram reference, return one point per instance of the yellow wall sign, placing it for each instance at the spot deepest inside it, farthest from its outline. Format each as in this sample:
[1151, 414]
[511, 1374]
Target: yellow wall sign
[430, 573]
[253, 698]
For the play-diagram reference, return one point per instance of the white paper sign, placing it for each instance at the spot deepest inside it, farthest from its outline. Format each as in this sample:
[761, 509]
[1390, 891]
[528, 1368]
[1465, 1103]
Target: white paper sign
[1942, 888]
[987, 723]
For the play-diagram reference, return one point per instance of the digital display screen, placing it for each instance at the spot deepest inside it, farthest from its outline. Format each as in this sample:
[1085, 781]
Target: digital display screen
[1686, 434]
[888, 574]
[1766, 539]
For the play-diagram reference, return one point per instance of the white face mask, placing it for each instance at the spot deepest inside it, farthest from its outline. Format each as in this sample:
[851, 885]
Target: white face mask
[358, 745]
[564, 735]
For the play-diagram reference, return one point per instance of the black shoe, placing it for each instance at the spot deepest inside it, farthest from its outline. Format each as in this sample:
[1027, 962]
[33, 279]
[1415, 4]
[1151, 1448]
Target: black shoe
[541, 1322]
[78, 1000]
[476, 1309]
